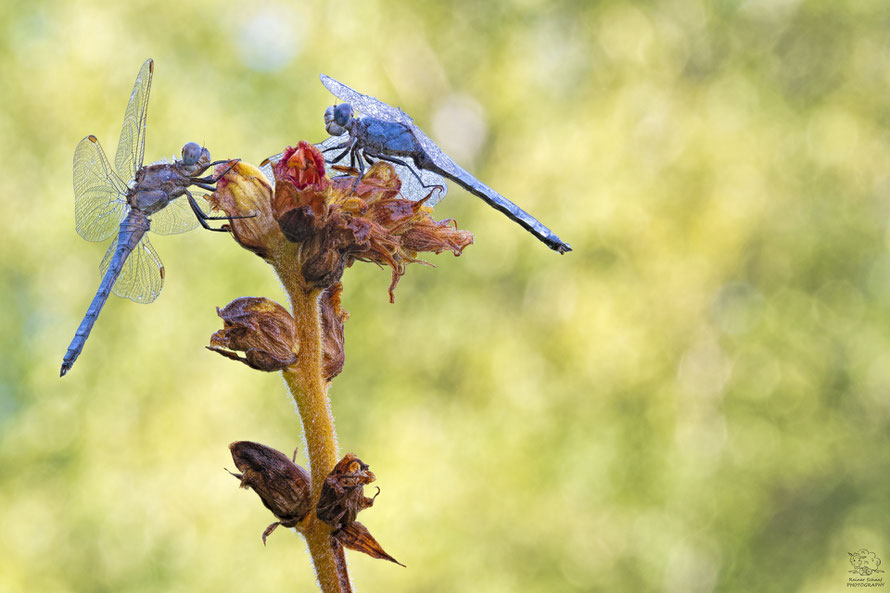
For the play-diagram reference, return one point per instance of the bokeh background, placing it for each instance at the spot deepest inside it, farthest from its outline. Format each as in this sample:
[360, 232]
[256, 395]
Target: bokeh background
[695, 399]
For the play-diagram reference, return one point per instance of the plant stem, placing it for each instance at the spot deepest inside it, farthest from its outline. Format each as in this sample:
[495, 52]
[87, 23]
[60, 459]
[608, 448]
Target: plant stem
[308, 387]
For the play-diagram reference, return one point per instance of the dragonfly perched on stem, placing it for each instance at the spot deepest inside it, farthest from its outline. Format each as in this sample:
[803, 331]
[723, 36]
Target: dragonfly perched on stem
[105, 204]
[389, 134]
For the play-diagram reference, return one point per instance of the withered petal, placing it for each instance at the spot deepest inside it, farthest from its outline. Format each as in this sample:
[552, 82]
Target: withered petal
[356, 536]
[333, 318]
[436, 237]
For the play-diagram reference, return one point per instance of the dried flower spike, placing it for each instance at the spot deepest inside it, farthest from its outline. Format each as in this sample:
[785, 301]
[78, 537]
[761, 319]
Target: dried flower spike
[259, 327]
[282, 485]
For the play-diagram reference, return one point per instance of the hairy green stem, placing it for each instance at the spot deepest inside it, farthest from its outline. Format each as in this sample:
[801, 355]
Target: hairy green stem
[309, 389]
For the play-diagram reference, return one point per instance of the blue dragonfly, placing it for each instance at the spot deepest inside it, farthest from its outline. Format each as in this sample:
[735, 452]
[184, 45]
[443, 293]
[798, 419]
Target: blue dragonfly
[106, 205]
[389, 134]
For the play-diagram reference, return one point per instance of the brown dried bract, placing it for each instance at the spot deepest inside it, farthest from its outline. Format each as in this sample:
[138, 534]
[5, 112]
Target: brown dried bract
[259, 327]
[245, 191]
[356, 536]
[283, 486]
[342, 494]
[333, 318]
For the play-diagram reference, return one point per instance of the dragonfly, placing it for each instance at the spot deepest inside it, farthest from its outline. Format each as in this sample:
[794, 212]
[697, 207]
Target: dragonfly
[389, 134]
[105, 205]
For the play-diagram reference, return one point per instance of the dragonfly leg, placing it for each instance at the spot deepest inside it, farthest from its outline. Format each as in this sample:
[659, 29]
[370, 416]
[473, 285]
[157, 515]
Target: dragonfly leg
[337, 147]
[203, 218]
[391, 159]
[340, 156]
[356, 159]
[211, 178]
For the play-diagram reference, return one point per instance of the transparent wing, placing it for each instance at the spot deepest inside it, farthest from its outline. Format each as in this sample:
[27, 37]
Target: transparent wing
[100, 196]
[142, 276]
[365, 103]
[175, 217]
[266, 167]
[131, 146]
[417, 189]
[466, 180]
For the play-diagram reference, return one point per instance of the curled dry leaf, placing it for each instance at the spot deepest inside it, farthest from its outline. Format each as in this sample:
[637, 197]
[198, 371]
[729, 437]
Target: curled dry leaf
[282, 485]
[342, 494]
[259, 327]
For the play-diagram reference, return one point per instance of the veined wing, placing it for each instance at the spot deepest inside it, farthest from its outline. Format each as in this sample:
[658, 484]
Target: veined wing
[100, 196]
[175, 217]
[142, 276]
[413, 189]
[366, 103]
[465, 179]
[458, 173]
[266, 167]
[131, 146]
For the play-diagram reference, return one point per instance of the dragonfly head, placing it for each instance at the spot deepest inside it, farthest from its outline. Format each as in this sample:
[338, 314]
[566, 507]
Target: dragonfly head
[337, 118]
[195, 158]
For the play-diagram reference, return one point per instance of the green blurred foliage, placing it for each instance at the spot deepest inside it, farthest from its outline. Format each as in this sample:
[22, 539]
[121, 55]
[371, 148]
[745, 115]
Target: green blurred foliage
[695, 399]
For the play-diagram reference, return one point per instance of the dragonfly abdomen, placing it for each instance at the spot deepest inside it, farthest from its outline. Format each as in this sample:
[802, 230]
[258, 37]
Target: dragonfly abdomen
[132, 228]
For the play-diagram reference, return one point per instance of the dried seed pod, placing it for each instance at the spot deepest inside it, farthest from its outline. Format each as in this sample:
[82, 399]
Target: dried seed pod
[342, 494]
[283, 486]
[259, 327]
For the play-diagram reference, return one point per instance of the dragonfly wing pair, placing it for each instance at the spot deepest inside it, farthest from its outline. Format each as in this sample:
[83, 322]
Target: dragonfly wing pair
[100, 199]
[440, 163]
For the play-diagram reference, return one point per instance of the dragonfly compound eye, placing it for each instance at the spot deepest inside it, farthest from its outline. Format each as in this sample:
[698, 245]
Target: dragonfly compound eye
[191, 152]
[342, 114]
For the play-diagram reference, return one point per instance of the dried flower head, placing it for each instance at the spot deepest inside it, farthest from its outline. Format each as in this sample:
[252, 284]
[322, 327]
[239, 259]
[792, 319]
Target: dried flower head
[340, 221]
[342, 494]
[334, 222]
[259, 327]
[282, 485]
